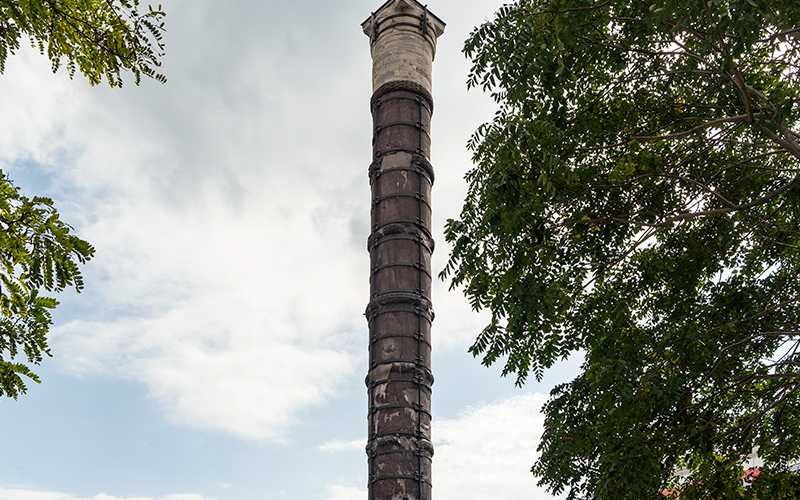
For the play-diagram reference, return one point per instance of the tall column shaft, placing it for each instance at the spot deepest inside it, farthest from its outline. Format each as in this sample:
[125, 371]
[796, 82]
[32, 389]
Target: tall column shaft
[400, 313]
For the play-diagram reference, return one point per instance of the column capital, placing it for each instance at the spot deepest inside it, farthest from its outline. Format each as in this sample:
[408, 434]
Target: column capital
[403, 36]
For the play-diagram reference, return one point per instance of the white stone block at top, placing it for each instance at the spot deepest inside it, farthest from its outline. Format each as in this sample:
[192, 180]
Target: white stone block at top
[403, 43]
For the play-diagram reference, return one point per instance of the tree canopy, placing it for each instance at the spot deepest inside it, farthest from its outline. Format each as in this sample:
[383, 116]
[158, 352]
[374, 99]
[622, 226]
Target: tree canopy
[99, 38]
[636, 199]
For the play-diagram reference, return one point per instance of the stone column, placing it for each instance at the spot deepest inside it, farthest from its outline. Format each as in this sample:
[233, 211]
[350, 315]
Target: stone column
[403, 42]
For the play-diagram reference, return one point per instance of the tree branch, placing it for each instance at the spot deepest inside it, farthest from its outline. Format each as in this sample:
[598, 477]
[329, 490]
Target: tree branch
[703, 126]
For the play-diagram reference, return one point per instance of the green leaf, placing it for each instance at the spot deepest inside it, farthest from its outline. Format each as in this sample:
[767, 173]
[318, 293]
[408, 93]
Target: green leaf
[37, 252]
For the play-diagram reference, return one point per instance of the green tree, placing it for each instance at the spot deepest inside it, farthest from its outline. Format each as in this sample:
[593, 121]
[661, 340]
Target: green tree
[37, 251]
[101, 39]
[636, 199]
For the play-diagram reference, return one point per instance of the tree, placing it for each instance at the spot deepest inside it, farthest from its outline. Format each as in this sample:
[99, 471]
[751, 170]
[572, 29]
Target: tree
[101, 39]
[636, 199]
[37, 251]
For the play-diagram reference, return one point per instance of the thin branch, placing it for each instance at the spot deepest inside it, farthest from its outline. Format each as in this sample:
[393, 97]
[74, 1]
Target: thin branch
[734, 208]
[757, 315]
[729, 119]
[772, 376]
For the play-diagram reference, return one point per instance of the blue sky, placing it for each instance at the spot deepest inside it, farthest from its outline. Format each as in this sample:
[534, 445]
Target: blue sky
[219, 348]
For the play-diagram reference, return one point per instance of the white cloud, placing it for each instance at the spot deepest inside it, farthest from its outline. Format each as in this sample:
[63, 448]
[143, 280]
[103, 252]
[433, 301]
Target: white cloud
[21, 493]
[31, 128]
[231, 271]
[342, 492]
[340, 445]
[234, 317]
[185, 496]
[488, 451]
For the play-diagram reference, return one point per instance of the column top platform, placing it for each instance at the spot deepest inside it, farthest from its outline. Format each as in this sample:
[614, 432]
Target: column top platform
[403, 36]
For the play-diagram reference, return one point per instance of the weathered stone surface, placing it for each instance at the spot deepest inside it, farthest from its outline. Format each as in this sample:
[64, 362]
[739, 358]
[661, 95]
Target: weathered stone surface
[403, 40]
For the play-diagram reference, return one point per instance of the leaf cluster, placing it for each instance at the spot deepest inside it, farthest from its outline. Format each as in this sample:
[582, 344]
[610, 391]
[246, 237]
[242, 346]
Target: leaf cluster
[98, 38]
[637, 198]
[37, 252]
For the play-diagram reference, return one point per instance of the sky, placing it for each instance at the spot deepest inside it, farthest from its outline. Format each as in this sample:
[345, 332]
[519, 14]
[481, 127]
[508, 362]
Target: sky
[219, 349]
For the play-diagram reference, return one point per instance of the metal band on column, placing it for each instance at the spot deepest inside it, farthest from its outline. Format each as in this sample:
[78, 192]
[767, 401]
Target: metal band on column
[403, 40]
[400, 311]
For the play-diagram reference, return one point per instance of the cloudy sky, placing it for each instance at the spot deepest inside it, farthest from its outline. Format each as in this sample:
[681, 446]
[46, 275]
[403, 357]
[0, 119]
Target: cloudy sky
[219, 348]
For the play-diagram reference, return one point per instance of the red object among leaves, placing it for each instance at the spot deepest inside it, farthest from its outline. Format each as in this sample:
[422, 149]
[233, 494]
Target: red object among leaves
[749, 476]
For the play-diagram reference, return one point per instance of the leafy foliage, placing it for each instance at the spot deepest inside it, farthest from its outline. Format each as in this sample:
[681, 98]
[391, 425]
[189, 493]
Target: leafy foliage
[637, 198]
[99, 38]
[37, 251]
